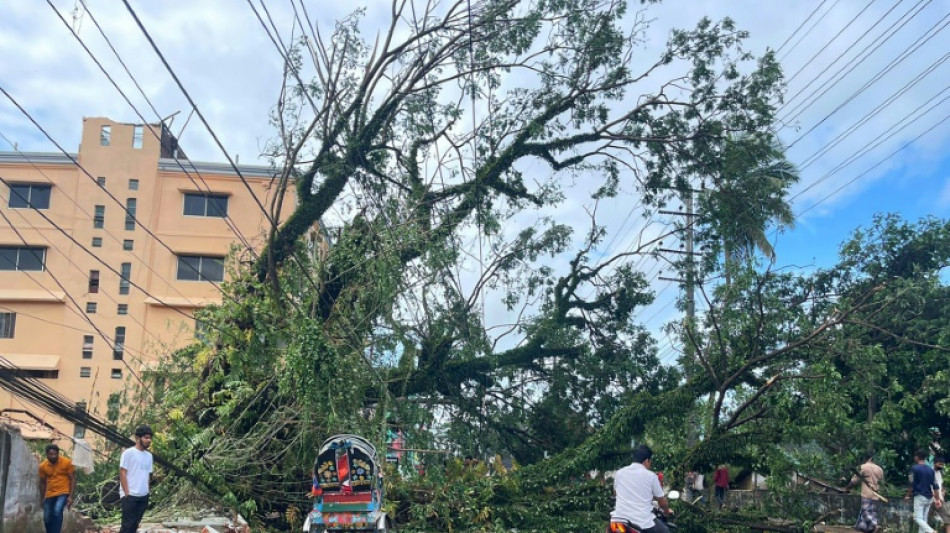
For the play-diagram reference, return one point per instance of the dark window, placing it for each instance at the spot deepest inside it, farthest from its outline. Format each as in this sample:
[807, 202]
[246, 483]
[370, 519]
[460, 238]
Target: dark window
[7, 325]
[87, 343]
[206, 205]
[105, 135]
[201, 330]
[118, 349]
[137, 136]
[101, 180]
[123, 309]
[93, 281]
[116, 373]
[130, 206]
[125, 277]
[128, 244]
[22, 258]
[97, 242]
[133, 185]
[85, 371]
[79, 430]
[25, 195]
[37, 374]
[99, 219]
[200, 268]
[91, 307]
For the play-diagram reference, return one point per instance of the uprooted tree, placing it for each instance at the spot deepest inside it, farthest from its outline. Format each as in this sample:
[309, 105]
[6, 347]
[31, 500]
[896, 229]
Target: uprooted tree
[441, 151]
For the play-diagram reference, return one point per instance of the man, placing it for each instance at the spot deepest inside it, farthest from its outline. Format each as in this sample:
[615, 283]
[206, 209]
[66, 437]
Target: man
[923, 488]
[636, 487]
[943, 512]
[57, 484]
[869, 477]
[721, 479]
[135, 466]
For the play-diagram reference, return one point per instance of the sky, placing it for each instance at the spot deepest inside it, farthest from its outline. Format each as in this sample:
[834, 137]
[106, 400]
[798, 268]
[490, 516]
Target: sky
[844, 136]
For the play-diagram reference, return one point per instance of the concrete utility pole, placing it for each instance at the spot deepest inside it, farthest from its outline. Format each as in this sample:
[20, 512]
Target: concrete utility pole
[689, 282]
[689, 285]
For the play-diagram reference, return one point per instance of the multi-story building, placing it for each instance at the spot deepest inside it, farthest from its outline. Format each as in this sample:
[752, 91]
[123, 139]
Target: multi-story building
[105, 255]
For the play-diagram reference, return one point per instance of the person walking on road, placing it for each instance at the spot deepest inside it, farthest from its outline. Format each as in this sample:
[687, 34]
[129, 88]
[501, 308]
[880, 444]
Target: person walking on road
[57, 484]
[923, 487]
[721, 479]
[135, 467]
[869, 477]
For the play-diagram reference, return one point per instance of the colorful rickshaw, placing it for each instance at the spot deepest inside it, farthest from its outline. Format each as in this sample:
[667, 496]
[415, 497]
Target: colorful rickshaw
[348, 488]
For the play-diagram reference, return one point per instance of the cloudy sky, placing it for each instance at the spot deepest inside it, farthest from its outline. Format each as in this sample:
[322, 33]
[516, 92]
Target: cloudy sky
[866, 115]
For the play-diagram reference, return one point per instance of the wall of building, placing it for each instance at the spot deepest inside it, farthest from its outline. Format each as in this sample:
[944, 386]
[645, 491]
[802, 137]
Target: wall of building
[52, 317]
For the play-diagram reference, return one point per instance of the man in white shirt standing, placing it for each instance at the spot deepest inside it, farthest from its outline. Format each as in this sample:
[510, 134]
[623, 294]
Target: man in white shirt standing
[135, 467]
[636, 487]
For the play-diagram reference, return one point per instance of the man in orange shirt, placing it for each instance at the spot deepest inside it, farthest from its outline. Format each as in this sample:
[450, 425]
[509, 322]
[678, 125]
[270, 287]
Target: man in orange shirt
[57, 483]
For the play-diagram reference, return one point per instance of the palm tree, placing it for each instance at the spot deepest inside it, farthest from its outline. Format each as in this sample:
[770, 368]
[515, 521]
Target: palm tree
[749, 193]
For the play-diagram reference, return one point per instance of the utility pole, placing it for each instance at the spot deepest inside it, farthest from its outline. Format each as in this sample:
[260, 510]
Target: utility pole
[689, 285]
[689, 282]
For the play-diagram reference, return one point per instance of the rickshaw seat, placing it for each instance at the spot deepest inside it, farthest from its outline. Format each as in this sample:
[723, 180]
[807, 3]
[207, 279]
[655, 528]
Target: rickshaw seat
[355, 497]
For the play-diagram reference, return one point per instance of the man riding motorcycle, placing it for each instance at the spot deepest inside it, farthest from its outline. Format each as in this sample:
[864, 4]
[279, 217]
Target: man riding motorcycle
[636, 487]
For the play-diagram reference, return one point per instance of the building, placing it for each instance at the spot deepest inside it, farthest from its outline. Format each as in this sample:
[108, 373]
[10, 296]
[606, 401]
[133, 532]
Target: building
[106, 254]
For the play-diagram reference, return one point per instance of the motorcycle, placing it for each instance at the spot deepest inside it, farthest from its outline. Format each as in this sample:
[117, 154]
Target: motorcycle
[627, 527]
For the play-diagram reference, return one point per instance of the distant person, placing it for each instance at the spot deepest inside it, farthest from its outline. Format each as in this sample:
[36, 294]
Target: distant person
[943, 512]
[869, 477]
[636, 488]
[57, 484]
[135, 467]
[923, 487]
[721, 479]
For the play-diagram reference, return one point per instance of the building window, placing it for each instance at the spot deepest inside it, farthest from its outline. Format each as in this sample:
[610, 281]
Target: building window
[116, 373]
[118, 350]
[91, 307]
[130, 206]
[101, 180]
[201, 330]
[125, 277]
[26, 195]
[79, 430]
[123, 309]
[22, 258]
[87, 342]
[97, 242]
[137, 136]
[200, 268]
[105, 136]
[206, 205]
[128, 244]
[99, 219]
[133, 185]
[85, 371]
[93, 281]
[7, 325]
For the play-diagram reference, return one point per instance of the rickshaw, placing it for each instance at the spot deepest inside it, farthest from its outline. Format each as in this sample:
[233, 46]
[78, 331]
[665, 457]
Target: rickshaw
[348, 488]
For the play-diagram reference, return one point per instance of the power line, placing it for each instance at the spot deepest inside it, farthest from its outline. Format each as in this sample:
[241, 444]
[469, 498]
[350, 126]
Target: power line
[800, 26]
[228, 221]
[880, 75]
[813, 26]
[833, 39]
[838, 76]
[876, 165]
[198, 112]
[788, 101]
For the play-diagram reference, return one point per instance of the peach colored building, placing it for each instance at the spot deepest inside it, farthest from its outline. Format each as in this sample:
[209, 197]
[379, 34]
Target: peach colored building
[89, 299]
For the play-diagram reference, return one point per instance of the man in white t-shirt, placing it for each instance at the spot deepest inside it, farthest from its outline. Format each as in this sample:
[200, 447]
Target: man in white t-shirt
[135, 467]
[636, 487]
